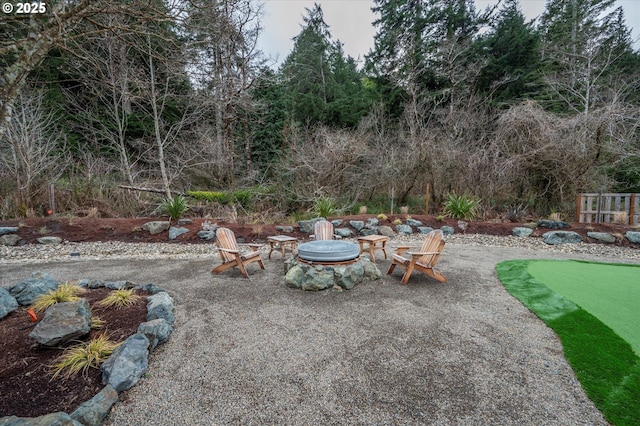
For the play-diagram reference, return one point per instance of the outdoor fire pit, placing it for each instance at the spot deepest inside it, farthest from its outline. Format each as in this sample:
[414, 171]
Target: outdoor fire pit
[329, 264]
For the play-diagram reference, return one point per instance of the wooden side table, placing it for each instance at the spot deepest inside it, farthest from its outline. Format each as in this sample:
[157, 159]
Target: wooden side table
[281, 241]
[373, 242]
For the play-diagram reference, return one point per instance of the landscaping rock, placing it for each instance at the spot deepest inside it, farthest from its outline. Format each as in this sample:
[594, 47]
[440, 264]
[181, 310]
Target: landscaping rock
[633, 236]
[413, 222]
[156, 226]
[306, 226]
[182, 222]
[9, 240]
[552, 224]
[561, 237]
[321, 277]
[336, 222]
[404, 229]
[62, 323]
[8, 230]
[387, 231]
[521, 231]
[157, 331]
[447, 230]
[152, 288]
[160, 306]
[343, 232]
[356, 224]
[53, 419]
[286, 229]
[424, 229]
[175, 232]
[28, 290]
[372, 222]
[8, 303]
[117, 285]
[605, 237]
[127, 364]
[94, 411]
[369, 231]
[206, 235]
[50, 240]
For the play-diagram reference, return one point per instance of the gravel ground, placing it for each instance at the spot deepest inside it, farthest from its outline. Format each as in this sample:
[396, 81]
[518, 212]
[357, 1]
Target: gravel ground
[256, 352]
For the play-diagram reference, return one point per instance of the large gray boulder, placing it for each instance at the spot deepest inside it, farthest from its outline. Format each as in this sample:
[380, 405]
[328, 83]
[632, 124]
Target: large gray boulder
[387, 231]
[8, 303]
[127, 364]
[175, 232]
[160, 305]
[53, 419]
[94, 411]
[157, 331]
[8, 230]
[561, 237]
[28, 290]
[206, 235]
[521, 231]
[605, 237]
[336, 222]
[62, 323]
[633, 236]
[372, 222]
[357, 224]
[54, 241]
[424, 229]
[287, 229]
[404, 229]
[306, 226]
[413, 222]
[343, 232]
[552, 224]
[156, 226]
[369, 231]
[9, 240]
[447, 230]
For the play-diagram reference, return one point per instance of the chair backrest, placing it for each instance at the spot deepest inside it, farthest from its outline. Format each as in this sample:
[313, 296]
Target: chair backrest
[226, 239]
[323, 230]
[433, 243]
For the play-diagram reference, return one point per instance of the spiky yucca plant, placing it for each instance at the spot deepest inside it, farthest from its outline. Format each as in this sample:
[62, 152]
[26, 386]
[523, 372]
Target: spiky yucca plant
[120, 298]
[80, 358]
[463, 207]
[66, 292]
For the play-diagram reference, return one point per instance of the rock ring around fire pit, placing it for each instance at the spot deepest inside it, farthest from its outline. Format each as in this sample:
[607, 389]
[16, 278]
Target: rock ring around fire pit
[328, 264]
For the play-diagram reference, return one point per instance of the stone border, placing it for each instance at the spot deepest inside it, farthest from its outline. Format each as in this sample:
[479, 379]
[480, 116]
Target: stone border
[123, 368]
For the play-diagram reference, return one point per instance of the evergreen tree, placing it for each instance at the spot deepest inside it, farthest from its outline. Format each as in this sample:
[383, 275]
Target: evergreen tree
[513, 49]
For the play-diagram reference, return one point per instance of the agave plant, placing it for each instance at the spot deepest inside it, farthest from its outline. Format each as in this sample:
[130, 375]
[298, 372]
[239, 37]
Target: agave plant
[463, 207]
[174, 207]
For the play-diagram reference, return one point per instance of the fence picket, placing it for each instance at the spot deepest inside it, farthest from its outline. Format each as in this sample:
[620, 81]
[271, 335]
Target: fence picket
[608, 208]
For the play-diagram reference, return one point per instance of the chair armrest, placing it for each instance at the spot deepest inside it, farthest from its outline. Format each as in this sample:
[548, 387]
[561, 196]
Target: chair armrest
[229, 250]
[402, 249]
[421, 253]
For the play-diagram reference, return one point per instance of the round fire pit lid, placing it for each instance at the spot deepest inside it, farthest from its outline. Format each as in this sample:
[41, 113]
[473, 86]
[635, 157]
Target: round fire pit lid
[328, 251]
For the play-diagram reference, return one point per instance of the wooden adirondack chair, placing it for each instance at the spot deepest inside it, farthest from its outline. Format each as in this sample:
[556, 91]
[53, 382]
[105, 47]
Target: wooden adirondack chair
[323, 230]
[423, 260]
[231, 255]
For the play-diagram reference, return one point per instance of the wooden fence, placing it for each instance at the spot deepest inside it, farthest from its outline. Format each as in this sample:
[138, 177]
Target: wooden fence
[609, 208]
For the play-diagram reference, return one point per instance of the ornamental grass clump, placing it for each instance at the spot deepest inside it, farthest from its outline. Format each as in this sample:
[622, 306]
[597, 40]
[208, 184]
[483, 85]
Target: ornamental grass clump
[66, 292]
[174, 207]
[80, 358]
[325, 207]
[462, 207]
[120, 298]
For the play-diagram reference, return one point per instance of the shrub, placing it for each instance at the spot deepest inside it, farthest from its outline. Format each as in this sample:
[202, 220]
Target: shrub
[325, 207]
[463, 207]
[213, 196]
[382, 216]
[66, 292]
[174, 207]
[84, 356]
[120, 298]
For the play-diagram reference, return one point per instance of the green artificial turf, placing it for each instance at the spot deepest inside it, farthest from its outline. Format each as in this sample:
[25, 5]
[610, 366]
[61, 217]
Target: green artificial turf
[563, 294]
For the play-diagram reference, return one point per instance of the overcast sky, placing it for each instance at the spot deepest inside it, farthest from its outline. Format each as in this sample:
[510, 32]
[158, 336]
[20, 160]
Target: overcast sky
[350, 22]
